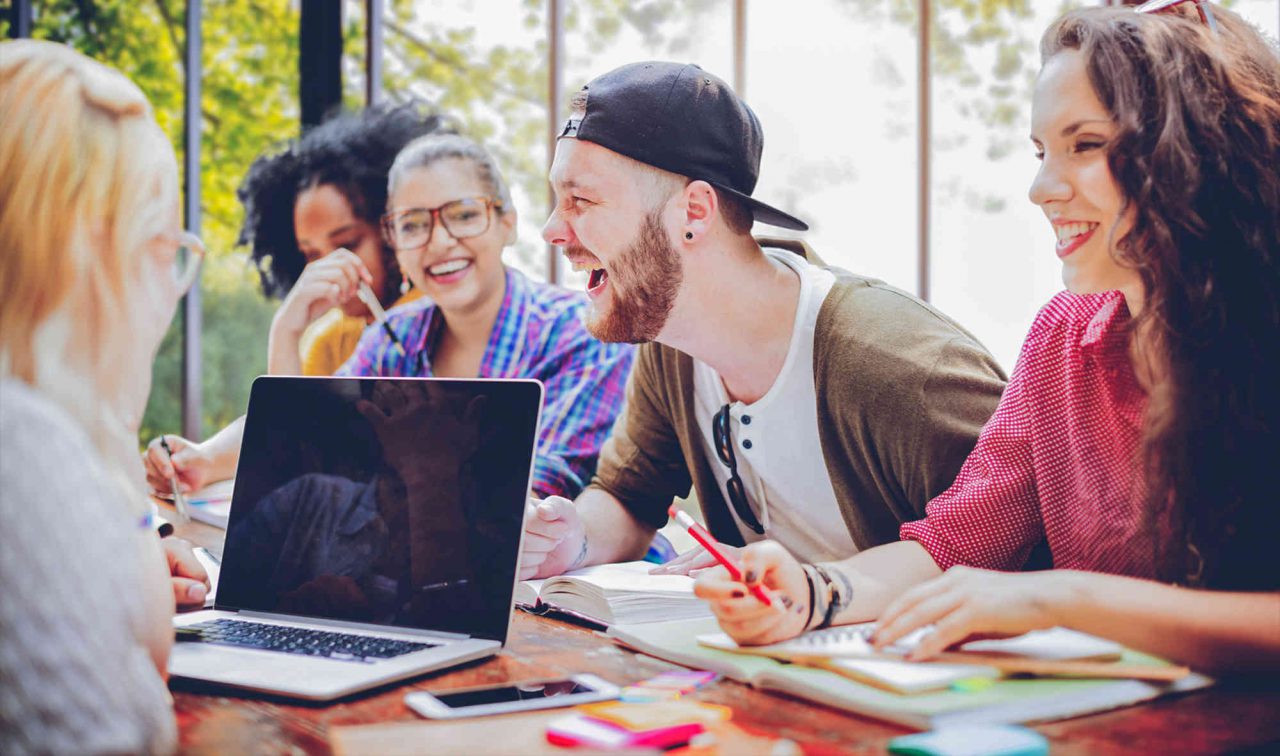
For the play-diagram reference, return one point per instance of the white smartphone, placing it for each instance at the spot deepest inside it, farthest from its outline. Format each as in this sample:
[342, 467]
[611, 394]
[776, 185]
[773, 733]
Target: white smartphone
[503, 699]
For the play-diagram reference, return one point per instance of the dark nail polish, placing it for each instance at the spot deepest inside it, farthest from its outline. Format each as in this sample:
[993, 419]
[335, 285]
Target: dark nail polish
[750, 577]
[788, 603]
[739, 594]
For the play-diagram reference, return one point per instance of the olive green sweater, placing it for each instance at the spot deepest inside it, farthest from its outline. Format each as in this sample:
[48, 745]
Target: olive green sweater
[902, 393]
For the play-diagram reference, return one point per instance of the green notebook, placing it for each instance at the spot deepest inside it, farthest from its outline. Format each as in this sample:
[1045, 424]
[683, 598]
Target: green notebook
[1007, 701]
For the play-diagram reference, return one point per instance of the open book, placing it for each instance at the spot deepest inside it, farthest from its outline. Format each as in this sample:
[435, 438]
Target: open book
[607, 594]
[1005, 701]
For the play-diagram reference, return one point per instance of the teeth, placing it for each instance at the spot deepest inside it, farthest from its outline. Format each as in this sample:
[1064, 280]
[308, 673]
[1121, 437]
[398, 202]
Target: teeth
[1068, 230]
[583, 265]
[450, 266]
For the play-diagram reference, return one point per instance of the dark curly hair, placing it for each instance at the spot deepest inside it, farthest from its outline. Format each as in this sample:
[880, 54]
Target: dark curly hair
[1197, 157]
[351, 152]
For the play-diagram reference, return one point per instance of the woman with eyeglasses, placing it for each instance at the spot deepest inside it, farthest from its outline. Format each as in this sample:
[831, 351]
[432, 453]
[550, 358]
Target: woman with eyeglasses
[449, 218]
[312, 212]
[93, 261]
[1140, 433]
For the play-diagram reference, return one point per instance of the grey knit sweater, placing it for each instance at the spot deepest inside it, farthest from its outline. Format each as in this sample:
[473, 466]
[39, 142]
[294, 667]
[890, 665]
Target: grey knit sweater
[74, 675]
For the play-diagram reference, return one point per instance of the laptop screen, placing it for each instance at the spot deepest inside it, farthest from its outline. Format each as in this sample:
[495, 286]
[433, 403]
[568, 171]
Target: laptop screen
[382, 500]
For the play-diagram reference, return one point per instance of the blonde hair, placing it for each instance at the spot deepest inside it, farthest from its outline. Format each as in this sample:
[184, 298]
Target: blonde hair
[84, 170]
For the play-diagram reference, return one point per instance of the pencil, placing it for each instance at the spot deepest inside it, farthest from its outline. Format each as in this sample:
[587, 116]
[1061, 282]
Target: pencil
[704, 538]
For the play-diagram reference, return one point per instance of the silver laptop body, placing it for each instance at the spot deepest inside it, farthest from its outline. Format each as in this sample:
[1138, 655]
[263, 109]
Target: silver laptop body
[387, 511]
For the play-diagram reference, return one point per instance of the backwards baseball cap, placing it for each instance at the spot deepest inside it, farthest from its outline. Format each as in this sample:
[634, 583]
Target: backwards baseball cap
[681, 119]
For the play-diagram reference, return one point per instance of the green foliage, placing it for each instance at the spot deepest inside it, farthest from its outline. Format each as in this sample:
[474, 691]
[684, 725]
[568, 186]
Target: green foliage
[983, 56]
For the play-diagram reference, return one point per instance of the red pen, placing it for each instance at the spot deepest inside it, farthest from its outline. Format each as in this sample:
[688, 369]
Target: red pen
[703, 537]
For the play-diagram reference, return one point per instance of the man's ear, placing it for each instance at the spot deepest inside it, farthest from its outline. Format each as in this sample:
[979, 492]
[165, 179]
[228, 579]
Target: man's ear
[701, 207]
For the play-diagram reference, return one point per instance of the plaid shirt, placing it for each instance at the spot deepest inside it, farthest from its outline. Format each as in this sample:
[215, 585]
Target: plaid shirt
[539, 334]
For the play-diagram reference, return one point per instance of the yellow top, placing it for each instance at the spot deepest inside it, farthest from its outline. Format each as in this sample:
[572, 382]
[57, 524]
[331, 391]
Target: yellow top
[332, 338]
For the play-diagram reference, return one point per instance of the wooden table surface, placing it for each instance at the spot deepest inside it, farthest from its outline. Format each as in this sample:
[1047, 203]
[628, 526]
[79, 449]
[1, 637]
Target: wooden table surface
[1228, 717]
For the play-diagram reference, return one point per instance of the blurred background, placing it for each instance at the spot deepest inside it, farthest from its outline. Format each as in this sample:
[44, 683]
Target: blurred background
[896, 128]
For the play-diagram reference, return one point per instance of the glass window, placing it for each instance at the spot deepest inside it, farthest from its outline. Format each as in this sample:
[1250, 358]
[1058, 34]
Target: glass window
[835, 92]
[485, 64]
[992, 259]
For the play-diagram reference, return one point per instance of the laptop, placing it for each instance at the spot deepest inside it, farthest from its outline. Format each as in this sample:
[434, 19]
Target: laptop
[374, 534]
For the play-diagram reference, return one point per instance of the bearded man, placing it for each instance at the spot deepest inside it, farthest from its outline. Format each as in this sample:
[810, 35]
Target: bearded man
[803, 403]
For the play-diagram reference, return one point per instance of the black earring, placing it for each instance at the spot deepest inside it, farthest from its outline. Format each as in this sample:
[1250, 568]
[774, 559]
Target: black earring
[688, 235]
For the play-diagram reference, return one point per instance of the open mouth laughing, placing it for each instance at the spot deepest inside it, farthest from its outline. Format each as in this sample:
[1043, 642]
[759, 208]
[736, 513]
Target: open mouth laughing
[598, 277]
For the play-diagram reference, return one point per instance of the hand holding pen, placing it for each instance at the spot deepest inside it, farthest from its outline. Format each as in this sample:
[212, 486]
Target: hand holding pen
[713, 548]
[179, 501]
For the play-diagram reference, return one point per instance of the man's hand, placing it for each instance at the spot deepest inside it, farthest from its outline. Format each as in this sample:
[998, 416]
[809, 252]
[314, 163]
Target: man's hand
[190, 463]
[555, 538]
[694, 561]
[743, 616]
[966, 602]
[190, 581]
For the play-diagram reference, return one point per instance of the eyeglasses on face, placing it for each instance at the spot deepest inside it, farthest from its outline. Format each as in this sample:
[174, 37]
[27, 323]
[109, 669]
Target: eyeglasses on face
[737, 491]
[463, 219]
[1203, 9]
[188, 252]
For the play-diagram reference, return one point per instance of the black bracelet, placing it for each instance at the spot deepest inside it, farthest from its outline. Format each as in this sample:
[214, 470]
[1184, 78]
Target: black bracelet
[834, 605]
[808, 576]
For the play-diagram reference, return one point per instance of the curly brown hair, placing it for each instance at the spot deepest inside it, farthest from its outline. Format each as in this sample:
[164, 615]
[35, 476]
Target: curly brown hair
[1197, 158]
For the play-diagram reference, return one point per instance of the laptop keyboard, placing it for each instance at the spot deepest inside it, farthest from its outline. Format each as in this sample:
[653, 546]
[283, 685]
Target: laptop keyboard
[298, 640]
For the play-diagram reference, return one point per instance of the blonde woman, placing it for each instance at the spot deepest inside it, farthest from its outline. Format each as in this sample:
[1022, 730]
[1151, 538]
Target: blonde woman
[91, 269]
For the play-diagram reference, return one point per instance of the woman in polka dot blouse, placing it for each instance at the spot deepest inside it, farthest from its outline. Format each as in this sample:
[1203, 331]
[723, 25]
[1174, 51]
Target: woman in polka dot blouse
[1139, 437]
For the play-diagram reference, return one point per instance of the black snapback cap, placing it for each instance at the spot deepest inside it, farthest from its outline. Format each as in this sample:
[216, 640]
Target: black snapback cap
[679, 118]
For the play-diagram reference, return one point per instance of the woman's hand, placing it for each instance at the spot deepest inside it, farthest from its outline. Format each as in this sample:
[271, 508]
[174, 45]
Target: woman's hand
[324, 284]
[965, 602]
[744, 617]
[192, 465]
[190, 581]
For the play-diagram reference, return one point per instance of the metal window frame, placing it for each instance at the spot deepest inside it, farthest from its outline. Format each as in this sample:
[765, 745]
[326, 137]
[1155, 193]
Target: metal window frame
[21, 18]
[192, 125]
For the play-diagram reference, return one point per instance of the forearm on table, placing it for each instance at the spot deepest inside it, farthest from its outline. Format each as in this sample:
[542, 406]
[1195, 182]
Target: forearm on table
[613, 533]
[879, 575]
[1214, 631]
[223, 449]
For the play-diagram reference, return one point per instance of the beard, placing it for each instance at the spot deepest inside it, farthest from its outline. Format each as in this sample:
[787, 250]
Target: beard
[643, 284]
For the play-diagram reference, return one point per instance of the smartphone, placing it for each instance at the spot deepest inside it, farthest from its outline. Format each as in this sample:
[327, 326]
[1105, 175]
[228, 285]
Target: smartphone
[503, 699]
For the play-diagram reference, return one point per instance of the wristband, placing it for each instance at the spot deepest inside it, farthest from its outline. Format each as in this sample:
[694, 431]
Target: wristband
[818, 595]
[840, 592]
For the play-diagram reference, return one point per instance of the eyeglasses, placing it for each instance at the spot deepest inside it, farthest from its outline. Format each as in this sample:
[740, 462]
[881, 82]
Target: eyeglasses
[463, 219]
[1202, 8]
[737, 491]
[187, 256]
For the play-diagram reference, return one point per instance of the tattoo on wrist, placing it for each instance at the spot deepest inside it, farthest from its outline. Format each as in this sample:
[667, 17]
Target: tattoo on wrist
[582, 555]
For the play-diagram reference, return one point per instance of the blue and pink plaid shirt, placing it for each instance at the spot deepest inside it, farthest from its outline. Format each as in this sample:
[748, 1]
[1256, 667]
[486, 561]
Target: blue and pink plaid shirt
[539, 334]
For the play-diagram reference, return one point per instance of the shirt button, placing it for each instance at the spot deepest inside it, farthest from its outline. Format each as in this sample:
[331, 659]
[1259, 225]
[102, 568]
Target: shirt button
[746, 419]
[746, 444]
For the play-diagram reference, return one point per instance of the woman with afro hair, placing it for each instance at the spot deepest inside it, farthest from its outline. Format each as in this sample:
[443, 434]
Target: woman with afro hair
[312, 208]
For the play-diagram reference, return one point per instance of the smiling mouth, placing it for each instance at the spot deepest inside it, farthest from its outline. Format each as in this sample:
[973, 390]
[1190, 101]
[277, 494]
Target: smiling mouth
[448, 268]
[1072, 235]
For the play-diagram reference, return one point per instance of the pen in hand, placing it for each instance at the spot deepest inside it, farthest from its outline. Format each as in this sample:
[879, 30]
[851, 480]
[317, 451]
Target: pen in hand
[370, 300]
[704, 538]
[179, 501]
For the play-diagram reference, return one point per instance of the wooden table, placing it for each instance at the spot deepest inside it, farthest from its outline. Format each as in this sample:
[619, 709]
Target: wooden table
[1229, 717]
